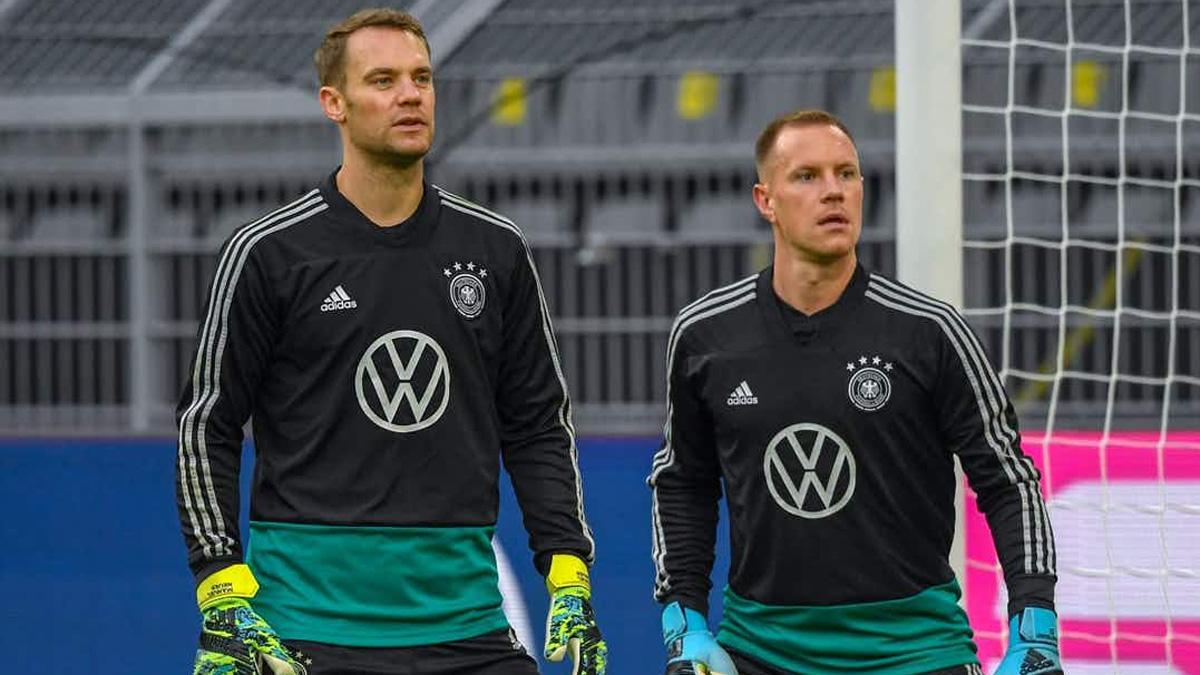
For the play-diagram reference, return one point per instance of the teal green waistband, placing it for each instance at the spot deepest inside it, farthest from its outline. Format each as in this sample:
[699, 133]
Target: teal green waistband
[927, 631]
[375, 586]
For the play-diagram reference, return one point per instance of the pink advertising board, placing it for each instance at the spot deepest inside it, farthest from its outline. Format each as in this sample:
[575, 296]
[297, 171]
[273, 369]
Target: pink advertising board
[1126, 515]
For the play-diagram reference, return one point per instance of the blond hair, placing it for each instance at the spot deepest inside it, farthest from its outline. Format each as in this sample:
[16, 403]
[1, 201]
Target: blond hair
[330, 57]
[798, 118]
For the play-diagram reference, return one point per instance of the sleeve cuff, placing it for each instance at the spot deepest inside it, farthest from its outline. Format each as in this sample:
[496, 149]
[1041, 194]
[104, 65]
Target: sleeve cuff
[1030, 591]
[688, 600]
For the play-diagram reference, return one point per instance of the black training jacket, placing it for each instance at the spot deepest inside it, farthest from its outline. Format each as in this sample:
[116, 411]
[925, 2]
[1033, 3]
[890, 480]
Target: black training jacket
[833, 436]
[387, 372]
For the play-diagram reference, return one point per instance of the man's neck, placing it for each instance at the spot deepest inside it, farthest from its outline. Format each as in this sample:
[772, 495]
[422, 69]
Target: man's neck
[387, 195]
[811, 286]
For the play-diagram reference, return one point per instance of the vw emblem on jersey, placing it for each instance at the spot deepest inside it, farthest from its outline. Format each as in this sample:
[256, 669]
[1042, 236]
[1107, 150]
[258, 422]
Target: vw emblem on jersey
[810, 471]
[869, 388]
[403, 381]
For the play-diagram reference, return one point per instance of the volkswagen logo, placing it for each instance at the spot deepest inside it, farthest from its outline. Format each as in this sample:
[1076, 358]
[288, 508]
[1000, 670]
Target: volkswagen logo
[810, 471]
[403, 381]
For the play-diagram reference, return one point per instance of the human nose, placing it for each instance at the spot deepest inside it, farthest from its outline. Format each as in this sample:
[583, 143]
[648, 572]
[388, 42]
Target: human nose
[408, 92]
[832, 188]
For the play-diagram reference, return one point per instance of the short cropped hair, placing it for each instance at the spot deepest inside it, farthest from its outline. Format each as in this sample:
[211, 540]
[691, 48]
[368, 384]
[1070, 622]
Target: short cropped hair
[797, 118]
[330, 57]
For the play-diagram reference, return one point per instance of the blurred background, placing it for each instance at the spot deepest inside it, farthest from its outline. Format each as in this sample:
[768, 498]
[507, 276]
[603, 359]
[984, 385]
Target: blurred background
[135, 135]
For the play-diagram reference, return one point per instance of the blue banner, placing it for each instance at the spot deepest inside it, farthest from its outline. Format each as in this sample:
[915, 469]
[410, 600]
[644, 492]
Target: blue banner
[97, 581]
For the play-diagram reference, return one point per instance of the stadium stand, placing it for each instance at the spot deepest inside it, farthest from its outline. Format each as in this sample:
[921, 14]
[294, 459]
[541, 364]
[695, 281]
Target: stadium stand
[546, 109]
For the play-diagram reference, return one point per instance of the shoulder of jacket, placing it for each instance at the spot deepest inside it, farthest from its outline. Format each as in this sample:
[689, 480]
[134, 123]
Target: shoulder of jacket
[899, 297]
[490, 222]
[248, 238]
[710, 313]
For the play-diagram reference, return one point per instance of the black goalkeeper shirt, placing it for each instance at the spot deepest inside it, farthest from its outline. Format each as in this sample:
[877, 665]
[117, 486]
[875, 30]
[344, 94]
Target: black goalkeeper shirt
[833, 436]
[388, 371]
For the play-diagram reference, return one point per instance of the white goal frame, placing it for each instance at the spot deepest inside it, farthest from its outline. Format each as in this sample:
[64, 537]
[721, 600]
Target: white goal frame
[929, 214]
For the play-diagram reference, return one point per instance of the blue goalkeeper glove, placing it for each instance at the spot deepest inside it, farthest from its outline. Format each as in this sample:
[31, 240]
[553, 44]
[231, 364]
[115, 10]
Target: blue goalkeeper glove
[234, 640]
[691, 648]
[1032, 644]
[571, 624]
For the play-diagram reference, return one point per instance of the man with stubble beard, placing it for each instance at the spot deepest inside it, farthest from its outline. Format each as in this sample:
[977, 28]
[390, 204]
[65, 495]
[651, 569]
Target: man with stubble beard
[392, 345]
[829, 402]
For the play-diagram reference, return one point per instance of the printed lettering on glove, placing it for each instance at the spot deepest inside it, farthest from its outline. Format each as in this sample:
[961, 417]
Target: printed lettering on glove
[234, 639]
[571, 623]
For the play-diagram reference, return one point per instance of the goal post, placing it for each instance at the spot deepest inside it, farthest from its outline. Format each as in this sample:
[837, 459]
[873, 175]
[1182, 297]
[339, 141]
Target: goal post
[929, 218]
[1048, 184]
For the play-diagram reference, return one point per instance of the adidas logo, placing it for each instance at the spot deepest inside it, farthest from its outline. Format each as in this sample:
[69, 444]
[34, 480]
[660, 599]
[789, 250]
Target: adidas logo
[1036, 662]
[742, 395]
[338, 299]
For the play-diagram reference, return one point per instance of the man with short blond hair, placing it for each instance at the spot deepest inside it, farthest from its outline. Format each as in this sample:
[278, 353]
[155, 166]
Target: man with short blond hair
[393, 346]
[829, 403]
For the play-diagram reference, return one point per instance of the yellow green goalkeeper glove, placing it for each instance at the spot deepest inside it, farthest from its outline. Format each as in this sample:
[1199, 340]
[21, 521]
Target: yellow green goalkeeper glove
[234, 640]
[571, 623]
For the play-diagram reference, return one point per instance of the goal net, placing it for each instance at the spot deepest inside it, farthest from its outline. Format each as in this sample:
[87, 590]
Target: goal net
[1081, 193]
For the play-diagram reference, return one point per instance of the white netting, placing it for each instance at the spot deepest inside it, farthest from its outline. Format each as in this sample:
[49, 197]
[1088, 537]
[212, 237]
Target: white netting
[1081, 187]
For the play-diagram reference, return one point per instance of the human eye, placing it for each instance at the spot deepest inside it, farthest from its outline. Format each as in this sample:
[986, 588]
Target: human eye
[805, 175]
[381, 81]
[423, 78]
[849, 173]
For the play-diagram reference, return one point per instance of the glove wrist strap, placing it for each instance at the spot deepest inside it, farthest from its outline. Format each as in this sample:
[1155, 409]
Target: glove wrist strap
[568, 571]
[1038, 625]
[235, 581]
[678, 621]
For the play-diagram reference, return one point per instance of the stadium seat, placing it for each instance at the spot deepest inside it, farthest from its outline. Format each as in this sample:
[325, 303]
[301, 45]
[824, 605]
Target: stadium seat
[544, 222]
[600, 109]
[769, 94]
[630, 220]
[1149, 211]
[1036, 209]
[984, 211]
[69, 224]
[722, 218]
[690, 107]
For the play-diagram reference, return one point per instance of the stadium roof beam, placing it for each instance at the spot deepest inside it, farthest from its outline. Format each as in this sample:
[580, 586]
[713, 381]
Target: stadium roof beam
[104, 110]
[182, 39]
[450, 24]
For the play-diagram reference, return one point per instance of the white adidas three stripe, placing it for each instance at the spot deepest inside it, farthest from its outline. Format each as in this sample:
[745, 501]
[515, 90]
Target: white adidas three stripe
[1039, 553]
[462, 205]
[195, 475]
[715, 302]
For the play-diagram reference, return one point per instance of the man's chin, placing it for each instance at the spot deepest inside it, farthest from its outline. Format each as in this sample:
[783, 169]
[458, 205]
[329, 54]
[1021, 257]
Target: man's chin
[825, 255]
[400, 156]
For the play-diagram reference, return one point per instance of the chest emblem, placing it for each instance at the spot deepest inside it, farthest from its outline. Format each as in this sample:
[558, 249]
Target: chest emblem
[468, 293]
[810, 471]
[870, 387]
[403, 381]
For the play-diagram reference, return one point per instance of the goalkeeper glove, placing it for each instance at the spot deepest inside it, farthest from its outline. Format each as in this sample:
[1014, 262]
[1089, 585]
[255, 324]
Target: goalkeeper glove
[234, 640]
[691, 648]
[571, 623]
[1032, 644]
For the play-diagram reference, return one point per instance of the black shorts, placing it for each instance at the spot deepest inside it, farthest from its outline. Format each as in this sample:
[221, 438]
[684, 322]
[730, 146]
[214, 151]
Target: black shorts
[749, 666]
[496, 653]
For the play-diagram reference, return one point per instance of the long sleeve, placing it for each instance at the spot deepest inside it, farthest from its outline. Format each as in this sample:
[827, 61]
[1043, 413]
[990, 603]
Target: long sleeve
[685, 484]
[980, 426]
[536, 432]
[234, 343]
